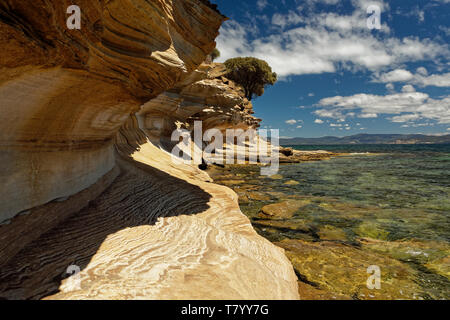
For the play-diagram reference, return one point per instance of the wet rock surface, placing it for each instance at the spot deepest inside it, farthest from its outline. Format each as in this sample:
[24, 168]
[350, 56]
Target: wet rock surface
[342, 269]
[282, 210]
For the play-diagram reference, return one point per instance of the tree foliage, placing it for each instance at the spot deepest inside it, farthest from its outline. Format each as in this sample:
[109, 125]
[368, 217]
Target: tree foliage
[252, 74]
[215, 54]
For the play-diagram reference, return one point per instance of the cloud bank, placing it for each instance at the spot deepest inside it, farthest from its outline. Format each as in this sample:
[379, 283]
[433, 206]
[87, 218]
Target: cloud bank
[315, 43]
[409, 106]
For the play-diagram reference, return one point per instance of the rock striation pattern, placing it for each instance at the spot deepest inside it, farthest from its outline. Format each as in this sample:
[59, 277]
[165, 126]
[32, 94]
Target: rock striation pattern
[206, 96]
[82, 185]
[65, 93]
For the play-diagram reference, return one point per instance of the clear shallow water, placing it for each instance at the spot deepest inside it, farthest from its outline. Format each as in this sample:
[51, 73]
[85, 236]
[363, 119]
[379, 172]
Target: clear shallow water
[411, 186]
[395, 204]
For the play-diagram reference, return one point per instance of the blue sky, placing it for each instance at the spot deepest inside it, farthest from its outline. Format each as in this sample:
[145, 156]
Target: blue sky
[337, 76]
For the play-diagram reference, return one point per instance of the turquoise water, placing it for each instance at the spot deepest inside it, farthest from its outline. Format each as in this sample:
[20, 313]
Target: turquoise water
[393, 203]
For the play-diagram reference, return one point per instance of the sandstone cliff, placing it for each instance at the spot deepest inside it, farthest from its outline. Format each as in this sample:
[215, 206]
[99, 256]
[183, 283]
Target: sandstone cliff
[82, 184]
[206, 95]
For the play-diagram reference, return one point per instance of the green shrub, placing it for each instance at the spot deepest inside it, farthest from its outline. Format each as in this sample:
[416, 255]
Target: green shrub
[215, 54]
[252, 74]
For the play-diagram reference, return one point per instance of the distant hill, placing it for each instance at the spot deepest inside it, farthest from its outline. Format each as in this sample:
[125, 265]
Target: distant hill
[370, 139]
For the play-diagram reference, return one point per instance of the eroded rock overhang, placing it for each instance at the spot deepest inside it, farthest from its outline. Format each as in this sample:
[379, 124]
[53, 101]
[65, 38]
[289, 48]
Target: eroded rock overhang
[64, 93]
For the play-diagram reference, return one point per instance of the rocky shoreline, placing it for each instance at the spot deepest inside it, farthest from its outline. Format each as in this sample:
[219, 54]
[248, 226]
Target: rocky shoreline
[89, 183]
[289, 155]
[331, 242]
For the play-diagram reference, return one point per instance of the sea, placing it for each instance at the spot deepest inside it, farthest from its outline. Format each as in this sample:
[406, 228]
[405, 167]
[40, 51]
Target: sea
[388, 202]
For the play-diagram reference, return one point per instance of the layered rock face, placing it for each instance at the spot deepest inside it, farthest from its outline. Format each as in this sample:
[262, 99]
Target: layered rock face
[206, 96]
[69, 91]
[211, 100]
[82, 185]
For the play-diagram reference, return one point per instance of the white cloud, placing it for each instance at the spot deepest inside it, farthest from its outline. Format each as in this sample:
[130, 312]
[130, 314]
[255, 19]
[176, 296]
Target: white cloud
[261, 4]
[285, 20]
[363, 4]
[335, 125]
[408, 88]
[324, 42]
[299, 127]
[405, 117]
[232, 41]
[368, 115]
[421, 78]
[328, 113]
[437, 80]
[318, 121]
[422, 71]
[291, 122]
[397, 75]
[369, 105]
[390, 87]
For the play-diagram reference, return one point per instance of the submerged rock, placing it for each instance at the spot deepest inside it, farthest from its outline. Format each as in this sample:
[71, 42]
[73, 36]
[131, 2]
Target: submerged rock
[282, 210]
[342, 269]
[440, 266]
[294, 225]
[309, 292]
[372, 229]
[431, 254]
[259, 196]
[276, 177]
[232, 182]
[328, 232]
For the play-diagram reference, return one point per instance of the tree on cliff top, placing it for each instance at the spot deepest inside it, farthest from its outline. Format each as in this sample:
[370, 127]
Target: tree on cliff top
[252, 74]
[215, 54]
